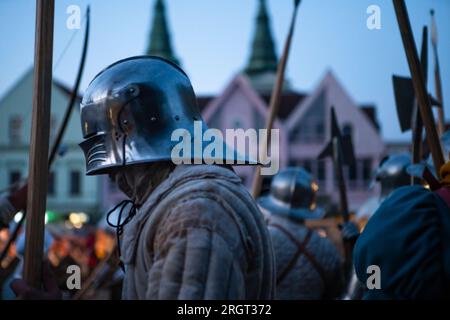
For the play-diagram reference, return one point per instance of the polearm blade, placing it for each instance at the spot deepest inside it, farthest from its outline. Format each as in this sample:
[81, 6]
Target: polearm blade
[334, 149]
[419, 83]
[405, 101]
[275, 99]
[39, 143]
[338, 168]
[437, 75]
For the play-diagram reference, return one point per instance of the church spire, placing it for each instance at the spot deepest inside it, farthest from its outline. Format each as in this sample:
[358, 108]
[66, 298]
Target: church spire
[263, 57]
[160, 44]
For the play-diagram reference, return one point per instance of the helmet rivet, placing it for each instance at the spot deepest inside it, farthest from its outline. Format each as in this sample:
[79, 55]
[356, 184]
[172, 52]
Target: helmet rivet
[125, 121]
[153, 119]
[131, 90]
[177, 118]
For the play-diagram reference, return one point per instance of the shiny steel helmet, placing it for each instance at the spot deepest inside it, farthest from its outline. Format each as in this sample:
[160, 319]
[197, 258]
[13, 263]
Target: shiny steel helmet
[293, 194]
[130, 110]
[392, 172]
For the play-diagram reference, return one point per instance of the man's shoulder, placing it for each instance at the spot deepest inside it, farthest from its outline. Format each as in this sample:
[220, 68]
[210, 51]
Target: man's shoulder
[207, 199]
[204, 190]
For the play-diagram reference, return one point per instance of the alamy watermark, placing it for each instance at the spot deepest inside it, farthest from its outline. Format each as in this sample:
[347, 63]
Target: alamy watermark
[241, 147]
[74, 19]
[373, 22]
[374, 279]
[73, 281]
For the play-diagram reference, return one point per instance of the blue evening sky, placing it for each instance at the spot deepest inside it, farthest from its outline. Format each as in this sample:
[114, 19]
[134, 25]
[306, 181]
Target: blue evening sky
[212, 39]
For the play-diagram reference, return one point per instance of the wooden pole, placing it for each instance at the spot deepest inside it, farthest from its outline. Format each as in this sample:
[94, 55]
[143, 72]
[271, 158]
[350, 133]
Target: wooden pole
[39, 143]
[437, 76]
[93, 277]
[440, 99]
[275, 100]
[419, 83]
[57, 143]
[417, 124]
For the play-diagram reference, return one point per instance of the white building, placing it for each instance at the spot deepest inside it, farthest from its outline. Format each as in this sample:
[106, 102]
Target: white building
[70, 190]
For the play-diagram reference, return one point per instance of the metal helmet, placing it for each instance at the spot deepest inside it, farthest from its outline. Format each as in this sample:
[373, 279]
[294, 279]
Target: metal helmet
[418, 170]
[445, 143]
[293, 194]
[392, 172]
[130, 110]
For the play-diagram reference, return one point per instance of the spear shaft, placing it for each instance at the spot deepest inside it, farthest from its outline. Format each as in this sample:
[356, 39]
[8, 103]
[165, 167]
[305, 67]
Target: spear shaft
[275, 100]
[419, 83]
[39, 143]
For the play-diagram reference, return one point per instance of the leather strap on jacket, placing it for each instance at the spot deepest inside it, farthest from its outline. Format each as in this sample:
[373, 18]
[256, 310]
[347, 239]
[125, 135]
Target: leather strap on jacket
[301, 249]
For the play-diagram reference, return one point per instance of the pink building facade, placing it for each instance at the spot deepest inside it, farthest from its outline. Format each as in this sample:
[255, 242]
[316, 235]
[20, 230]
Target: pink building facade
[304, 131]
[302, 121]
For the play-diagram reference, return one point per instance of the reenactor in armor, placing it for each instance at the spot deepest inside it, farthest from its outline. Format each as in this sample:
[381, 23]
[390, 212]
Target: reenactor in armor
[187, 231]
[194, 231]
[407, 237]
[308, 265]
[391, 174]
[407, 240]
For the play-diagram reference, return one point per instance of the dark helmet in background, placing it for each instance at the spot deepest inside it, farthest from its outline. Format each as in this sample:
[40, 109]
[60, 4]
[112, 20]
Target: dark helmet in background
[392, 172]
[292, 194]
[130, 110]
[445, 143]
[418, 170]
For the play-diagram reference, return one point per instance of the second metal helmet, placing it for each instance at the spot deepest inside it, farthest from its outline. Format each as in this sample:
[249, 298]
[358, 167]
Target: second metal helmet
[293, 194]
[445, 143]
[130, 110]
[392, 172]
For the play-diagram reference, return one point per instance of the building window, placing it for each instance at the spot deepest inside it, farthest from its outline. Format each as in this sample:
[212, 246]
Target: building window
[311, 128]
[321, 171]
[15, 129]
[359, 175]
[14, 176]
[347, 129]
[307, 166]
[75, 183]
[367, 170]
[353, 172]
[51, 183]
[320, 129]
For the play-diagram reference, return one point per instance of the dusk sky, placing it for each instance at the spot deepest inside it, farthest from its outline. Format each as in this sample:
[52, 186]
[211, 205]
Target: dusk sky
[212, 39]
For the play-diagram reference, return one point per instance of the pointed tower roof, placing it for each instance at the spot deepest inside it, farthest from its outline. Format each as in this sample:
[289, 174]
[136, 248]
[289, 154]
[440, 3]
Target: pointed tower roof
[263, 57]
[160, 44]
